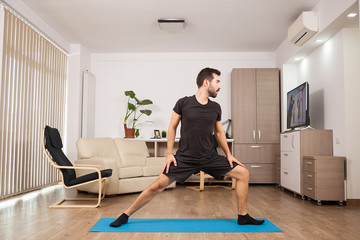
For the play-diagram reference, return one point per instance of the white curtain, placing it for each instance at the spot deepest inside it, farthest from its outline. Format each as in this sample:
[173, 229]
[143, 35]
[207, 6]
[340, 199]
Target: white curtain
[32, 95]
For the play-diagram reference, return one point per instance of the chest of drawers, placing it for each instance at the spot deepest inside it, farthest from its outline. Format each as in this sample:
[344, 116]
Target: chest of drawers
[324, 178]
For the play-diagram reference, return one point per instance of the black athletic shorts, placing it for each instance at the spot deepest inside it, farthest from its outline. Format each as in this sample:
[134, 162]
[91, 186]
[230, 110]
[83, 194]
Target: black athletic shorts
[217, 166]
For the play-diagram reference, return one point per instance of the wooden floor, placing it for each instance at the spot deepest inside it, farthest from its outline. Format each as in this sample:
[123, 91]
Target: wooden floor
[30, 217]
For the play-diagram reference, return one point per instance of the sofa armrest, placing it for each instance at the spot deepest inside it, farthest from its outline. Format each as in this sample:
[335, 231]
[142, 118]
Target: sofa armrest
[112, 183]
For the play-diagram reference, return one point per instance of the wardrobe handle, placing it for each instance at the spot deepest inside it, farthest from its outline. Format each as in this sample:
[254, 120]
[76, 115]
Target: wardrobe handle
[309, 176]
[308, 163]
[286, 173]
[255, 166]
[259, 132]
[254, 135]
[309, 188]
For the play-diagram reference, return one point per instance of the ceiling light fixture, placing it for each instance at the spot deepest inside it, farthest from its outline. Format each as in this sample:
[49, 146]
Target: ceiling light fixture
[351, 15]
[171, 24]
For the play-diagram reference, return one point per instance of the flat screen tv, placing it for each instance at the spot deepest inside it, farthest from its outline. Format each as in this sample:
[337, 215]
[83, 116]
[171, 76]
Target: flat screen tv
[298, 107]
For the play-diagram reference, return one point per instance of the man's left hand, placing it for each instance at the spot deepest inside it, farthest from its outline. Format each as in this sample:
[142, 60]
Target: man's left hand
[232, 159]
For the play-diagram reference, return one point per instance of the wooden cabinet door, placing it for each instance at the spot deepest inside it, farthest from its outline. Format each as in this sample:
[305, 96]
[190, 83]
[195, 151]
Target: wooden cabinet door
[247, 153]
[269, 153]
[243, 112]
[256, 153]
[268, 105]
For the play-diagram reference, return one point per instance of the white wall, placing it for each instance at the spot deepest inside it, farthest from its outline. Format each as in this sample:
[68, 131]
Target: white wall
[333, 73]
[289, 80]
[351, 66]
[328, 12]
[79, 61]
[163, 78]
[324, 70]
[166, 77]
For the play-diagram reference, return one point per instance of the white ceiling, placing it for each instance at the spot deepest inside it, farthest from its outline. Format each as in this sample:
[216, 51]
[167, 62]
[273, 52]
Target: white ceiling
[211, 25]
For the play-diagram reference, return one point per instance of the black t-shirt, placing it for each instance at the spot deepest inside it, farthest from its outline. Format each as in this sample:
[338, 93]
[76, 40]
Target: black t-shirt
[197, 127]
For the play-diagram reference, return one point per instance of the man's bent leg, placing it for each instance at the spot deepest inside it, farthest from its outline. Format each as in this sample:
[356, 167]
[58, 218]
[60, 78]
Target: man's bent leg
[158, 186]
[241, 174]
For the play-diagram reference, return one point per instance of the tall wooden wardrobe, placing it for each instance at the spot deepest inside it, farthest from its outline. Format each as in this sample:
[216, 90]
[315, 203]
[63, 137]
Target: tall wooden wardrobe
[255, 113]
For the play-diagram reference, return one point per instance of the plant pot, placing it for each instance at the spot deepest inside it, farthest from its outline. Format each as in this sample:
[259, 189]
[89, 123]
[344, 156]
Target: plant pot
[129, 132]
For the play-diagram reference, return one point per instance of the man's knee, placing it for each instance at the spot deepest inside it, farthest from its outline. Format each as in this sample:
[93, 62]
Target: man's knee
[242, 174]
[160, 184]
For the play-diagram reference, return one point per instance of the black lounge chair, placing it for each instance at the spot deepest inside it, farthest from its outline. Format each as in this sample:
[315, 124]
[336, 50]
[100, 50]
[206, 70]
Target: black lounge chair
[52, 146]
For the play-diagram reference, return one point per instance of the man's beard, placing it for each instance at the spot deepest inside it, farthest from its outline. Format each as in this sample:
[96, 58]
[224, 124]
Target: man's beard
[212, 92]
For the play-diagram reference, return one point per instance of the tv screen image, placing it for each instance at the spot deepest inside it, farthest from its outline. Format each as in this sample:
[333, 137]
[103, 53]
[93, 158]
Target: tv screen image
[297, 106]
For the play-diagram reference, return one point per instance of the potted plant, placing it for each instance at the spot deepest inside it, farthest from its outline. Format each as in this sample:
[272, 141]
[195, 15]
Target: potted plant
[132, 114]
[163, 134]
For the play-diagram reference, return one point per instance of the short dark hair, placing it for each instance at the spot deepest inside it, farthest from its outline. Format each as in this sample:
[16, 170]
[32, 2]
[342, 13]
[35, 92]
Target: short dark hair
[206, 73]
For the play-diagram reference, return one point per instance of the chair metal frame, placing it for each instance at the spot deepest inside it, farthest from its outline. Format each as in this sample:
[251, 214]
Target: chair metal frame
[101, 180]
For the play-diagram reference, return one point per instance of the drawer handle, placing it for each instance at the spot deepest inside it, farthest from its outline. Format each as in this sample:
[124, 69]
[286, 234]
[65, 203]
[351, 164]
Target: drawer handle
[256, 146]
[308, 163]
[286, 173]
[255, 166]
[309, 188]
[285, 154]
[309, 176]
[285, 136]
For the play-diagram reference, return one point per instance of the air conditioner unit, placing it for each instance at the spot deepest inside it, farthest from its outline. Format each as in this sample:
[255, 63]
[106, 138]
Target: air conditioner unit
[304, 27]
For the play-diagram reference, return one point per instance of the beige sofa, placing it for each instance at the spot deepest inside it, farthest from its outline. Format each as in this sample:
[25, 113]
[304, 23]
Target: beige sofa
[133, 169]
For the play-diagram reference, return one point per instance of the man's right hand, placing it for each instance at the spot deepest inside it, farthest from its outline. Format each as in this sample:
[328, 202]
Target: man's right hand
[169, 159]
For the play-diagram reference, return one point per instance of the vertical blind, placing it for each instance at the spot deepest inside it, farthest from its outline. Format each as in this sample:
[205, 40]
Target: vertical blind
[32, 95]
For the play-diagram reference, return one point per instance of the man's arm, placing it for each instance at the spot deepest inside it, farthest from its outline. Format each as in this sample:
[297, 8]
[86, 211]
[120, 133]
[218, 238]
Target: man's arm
[221, 138]
[174, 122]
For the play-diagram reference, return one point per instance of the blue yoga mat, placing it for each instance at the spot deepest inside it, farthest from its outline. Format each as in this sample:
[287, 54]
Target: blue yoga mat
[182, 225]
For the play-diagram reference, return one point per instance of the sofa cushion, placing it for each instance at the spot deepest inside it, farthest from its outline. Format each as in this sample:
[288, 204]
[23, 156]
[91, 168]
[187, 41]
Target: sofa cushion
[152, 170]
[132, 152]
[130, 172]
[153, 166]
[98, 147]
[155, 161]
